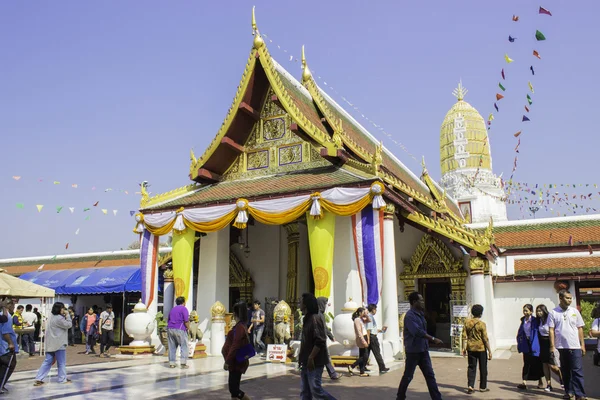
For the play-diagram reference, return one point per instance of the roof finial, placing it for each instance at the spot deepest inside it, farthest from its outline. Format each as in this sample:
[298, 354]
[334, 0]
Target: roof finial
[305, 71]
[423, 164]
[460, 92]
[258, 40]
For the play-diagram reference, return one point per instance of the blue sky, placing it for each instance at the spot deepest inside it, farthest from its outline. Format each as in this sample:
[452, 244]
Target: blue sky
[107, 94]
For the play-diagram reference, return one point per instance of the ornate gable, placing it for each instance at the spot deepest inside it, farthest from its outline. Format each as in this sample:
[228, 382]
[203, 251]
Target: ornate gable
[272, 147]
[432, 258]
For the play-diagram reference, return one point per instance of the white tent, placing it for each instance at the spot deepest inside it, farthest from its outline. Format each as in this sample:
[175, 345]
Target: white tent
[15, 287]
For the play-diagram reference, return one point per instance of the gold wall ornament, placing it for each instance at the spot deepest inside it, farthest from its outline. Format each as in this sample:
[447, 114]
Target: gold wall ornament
[293, 241]
[258, 160]
[290, 154]
[377, 159]
[145, 195]
[409, 286]
[168, 275]
[193, 158]
[476, 265]
[217, 311]
[389, 210]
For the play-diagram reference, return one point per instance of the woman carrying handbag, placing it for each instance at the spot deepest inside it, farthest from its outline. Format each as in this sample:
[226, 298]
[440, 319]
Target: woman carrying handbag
[237, 350]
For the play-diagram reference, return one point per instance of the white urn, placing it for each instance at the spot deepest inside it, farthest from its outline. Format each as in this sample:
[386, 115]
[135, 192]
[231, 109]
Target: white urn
[343, 326]
[139, 325]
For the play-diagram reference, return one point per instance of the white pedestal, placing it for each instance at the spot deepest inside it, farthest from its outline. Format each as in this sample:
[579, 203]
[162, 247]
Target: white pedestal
[389, 291]
[217, 337]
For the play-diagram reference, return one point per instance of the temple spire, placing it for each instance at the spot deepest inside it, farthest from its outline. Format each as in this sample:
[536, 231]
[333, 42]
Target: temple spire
[305, 71]
[258, 40]
[460, 92]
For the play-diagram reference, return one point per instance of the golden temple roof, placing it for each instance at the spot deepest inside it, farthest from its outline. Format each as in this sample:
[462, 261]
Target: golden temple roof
[463, 137]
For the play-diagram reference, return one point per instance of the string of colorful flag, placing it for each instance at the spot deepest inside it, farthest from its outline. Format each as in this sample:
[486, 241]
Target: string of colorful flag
[58, 209]
[18, 178]
[355, 108]
[539, 36]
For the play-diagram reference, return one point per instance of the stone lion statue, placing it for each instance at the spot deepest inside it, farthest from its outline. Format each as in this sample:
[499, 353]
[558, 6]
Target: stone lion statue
[282, 332]
[194, 332]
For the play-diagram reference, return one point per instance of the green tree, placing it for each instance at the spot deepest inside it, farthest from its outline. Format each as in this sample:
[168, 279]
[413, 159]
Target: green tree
[586, 314]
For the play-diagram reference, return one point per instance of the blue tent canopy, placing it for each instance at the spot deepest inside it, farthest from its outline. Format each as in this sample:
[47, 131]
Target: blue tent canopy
[89, 280]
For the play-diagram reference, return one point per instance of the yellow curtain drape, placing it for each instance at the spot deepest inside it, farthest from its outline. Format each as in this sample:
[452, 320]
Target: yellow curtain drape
[280, 218]
[211, 226]
[164, 230]
[347, 209]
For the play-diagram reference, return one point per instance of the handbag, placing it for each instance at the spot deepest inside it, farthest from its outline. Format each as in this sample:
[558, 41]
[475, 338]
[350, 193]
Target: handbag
[246, 352]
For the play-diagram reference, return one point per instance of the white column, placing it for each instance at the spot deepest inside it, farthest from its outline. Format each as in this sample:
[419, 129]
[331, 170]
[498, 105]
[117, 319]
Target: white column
[389, 291]
[477, 286]
[168, 297]
[213, 274]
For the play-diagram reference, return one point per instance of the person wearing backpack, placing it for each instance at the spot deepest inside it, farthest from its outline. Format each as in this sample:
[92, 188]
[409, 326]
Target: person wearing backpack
[476, 346]
[237, 350]
[106, 326]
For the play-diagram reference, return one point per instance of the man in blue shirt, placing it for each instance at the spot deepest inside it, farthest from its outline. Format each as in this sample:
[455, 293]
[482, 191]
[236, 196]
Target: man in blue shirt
[8, 344]
[416, 347]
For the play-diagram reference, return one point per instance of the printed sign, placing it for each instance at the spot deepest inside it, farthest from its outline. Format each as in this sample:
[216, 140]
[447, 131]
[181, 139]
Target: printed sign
[276, 352]
[461, 311]
[403, 307]
[456, 330]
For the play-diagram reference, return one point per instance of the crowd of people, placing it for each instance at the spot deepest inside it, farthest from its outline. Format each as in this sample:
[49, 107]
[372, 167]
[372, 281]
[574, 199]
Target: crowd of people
[551, 342]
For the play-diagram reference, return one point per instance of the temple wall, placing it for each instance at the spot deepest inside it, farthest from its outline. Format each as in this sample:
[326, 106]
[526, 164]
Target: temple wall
[406, 242]
[263, 261]
[509, 299]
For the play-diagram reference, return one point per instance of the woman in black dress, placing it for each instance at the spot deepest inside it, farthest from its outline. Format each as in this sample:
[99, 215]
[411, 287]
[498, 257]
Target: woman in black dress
[528, 344]
[550, 362]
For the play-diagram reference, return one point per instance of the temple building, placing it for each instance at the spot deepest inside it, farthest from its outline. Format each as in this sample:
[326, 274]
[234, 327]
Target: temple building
[288, 164]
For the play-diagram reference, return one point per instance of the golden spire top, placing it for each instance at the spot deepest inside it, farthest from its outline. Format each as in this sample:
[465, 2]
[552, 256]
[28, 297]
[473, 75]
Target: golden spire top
[305, 71]
[423, 165]
[258, 40]
[460, 92]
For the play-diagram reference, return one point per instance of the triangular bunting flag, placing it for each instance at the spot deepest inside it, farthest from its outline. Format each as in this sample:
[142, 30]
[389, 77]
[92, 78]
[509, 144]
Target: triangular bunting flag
[115, 212]
[532, 70]
[56, 182]
[77, 231]
[526, 108]
[529, 99]
[530, 87]
[496, 107]
[544, 11]
[58, 209]
[39, 207]
[515, 18]
[67, 246]
[86, 218]
[502, 73]
[539, 36]
[72, 209]
[16, 178]
[525, 119]
[74, 186]
[536, 54]
[511, 39]
[86, 209]
[517, 134]
[499, 96]
[96, 204]
[104, 211]
[508, 59]
[501, 87]
[131, 213]
[20, 205]
[491, 117]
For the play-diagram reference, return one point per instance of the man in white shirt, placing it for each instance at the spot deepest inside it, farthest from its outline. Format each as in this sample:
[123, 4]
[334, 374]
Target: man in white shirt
[566, 335]
[105, 330]
[29, 321]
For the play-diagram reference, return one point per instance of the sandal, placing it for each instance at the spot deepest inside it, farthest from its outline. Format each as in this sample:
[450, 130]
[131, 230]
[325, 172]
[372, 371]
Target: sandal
[38, 383]
[470, 390]
[350, 370]
[522, 386]
[484, 390]
[364, 374]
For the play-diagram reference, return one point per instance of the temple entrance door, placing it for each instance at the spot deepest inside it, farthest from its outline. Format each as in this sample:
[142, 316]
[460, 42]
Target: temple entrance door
[234, 297]
[436, 293]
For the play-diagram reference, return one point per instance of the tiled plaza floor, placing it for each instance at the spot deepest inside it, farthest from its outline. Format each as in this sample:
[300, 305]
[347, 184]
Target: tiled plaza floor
[150, 378]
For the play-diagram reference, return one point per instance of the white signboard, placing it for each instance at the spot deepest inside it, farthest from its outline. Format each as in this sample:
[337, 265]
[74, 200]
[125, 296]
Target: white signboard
[403, 307]
[276, 353]
[461, 311]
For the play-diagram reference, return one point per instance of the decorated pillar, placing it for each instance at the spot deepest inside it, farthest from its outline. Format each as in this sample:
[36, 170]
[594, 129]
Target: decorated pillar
[476, 269]
[293, 242]
[217, 328]
[457, 286]
[168, 293]
[149, 271]
[183, 258]
[389, 291]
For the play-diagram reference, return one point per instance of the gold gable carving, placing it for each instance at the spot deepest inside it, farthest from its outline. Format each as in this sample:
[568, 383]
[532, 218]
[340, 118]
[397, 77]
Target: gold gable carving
[432, 258]
[273, 148]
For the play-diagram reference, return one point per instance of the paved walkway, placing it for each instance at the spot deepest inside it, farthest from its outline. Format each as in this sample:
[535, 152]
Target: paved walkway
[150, 378]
